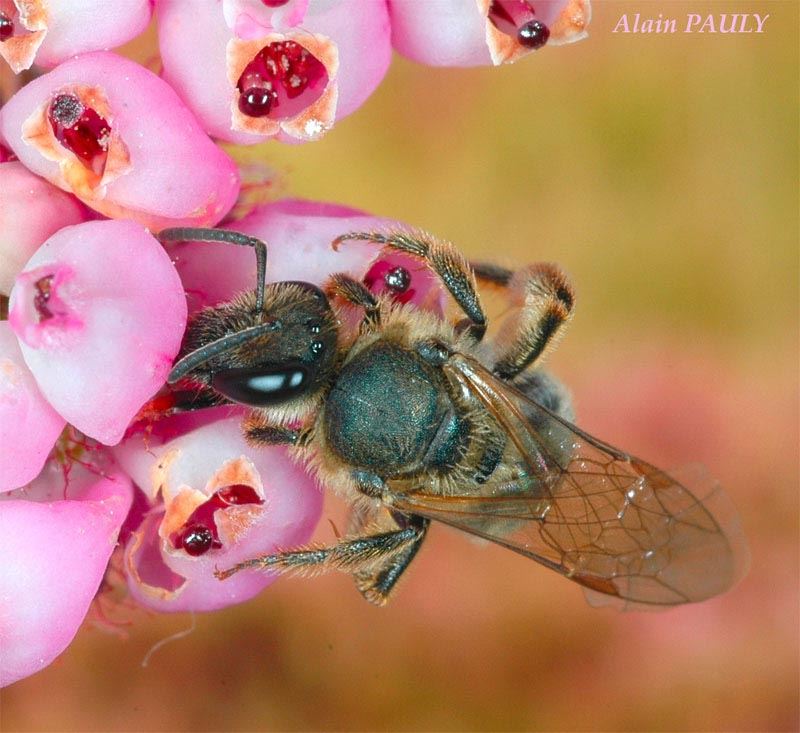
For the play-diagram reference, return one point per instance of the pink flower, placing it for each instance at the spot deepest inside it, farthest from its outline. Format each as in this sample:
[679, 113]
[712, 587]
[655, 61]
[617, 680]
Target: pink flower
[29, 426]
[476, 33]
[118, 137]
[50, 32]
[252, 71]
[217, 501]
[56, 536]
[30, 211]
[99, 312]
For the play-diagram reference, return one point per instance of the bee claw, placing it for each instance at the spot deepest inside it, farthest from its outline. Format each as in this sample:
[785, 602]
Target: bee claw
[225, 574]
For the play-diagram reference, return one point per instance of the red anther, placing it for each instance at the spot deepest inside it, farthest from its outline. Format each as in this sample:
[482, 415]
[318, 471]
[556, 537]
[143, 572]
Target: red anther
[281, 81]
[199, 533]
[81, 130]
[6, 27]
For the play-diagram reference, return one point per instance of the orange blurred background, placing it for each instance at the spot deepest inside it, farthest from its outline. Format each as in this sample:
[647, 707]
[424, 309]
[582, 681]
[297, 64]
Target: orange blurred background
[662, 173]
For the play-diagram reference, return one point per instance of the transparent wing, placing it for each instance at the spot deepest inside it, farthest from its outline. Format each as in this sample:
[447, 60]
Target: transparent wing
[605, 519]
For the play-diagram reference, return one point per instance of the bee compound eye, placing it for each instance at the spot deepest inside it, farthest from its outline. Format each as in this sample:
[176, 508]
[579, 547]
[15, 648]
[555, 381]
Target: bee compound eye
[261, 386]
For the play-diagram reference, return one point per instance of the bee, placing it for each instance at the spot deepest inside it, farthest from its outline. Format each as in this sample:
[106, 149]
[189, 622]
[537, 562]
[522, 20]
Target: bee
[414, 419]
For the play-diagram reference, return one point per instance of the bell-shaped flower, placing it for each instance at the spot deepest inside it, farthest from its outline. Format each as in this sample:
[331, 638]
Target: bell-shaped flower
[99, 312]
[481, 32]
[257, 70]
[299, 236]
[118, 137]
[217, 501]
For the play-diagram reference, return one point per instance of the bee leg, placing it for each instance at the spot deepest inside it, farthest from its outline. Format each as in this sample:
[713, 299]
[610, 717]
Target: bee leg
[376, 585]
[441, 257]
[357, 294]
[202, 234]
[368, 483]
[542, 299]
[492, 274]
[351, 555]
[259, 432]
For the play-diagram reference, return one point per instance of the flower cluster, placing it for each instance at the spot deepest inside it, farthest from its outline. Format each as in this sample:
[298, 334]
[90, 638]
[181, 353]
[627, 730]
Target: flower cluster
[99, 154]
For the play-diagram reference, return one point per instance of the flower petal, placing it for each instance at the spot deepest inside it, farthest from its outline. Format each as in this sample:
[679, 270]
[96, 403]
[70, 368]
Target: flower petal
[248, 18]
[30, 211]
[29, 426]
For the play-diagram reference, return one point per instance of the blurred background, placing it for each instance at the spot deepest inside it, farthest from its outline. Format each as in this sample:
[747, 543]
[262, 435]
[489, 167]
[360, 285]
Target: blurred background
[661, 171]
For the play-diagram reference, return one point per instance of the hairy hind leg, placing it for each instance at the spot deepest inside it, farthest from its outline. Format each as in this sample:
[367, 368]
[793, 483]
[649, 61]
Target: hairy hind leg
[356, 555]
[378, 582]
[542, 300]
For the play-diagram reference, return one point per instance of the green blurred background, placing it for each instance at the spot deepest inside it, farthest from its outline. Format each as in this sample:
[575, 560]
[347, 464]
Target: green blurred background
[662, 173]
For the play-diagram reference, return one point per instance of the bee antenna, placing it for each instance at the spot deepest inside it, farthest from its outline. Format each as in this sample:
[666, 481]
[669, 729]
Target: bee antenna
[226, 343]
[203, 234]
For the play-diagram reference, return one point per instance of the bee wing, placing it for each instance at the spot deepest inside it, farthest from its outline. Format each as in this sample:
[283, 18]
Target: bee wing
[605, 519]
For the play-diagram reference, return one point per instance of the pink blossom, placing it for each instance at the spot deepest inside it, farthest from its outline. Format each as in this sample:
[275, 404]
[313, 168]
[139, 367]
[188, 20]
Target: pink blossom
[30, 211]
[288, 73]
[476, 33]
[115, 135]
[99, 312]
[241, 501]
[48, 33]
[56, 537]
[29, 426]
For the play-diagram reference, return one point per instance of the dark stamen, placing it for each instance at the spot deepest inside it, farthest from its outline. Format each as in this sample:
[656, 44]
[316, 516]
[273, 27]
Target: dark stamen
[398, 279]
[42, 298]
[533, 34]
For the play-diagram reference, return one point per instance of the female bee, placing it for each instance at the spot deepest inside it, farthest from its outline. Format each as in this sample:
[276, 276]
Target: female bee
[414, 419]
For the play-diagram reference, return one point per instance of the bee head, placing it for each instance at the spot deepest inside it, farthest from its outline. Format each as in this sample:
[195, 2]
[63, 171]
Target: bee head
[265, 358]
